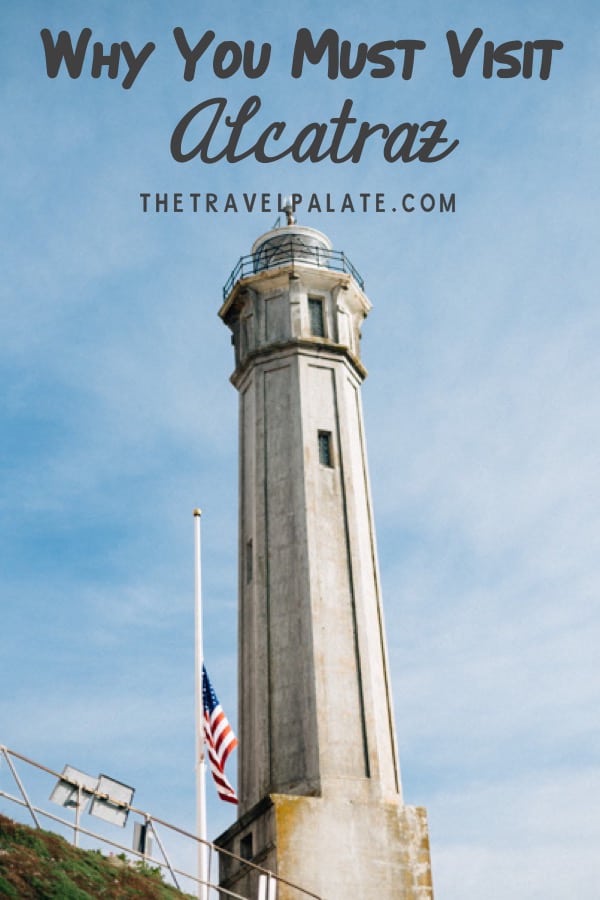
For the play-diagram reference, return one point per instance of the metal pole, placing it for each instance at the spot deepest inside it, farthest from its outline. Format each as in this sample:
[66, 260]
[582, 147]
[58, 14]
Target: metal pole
[164, 853]
[200, 754]
[77, 814]
[6, 754]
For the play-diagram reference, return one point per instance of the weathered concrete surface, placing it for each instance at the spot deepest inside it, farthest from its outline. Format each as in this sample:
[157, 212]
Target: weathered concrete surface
[336, 848]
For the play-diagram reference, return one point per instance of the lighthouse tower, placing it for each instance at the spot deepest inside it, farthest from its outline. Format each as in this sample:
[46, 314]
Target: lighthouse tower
[319, 780]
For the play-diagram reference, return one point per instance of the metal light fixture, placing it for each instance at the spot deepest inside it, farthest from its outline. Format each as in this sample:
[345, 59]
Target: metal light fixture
[75, 789]
[112, 801]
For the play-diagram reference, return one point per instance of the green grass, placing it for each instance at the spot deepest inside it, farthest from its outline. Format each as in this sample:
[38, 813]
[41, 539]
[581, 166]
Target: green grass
[39, 865]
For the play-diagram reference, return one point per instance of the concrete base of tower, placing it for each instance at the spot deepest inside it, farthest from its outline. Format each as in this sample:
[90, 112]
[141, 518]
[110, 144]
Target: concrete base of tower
[333, 848]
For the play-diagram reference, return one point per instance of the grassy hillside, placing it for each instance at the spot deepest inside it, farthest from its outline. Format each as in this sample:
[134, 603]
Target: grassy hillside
[39, 864]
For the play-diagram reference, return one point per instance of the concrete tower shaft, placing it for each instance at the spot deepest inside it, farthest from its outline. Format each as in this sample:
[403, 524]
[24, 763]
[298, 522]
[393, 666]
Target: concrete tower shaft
[314, 690]
[315, 710]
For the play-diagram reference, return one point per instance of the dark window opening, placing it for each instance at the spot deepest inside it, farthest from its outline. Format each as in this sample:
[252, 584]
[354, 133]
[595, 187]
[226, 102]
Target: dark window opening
[246, 846]
[325, 455]
[315, 311]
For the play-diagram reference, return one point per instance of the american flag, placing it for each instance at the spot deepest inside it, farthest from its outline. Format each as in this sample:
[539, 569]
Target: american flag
[219, 739]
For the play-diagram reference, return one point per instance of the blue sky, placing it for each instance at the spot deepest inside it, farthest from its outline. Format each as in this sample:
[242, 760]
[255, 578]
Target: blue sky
[481, 410]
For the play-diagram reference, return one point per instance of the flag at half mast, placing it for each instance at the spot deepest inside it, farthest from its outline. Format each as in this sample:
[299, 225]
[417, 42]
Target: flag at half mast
[218, 737]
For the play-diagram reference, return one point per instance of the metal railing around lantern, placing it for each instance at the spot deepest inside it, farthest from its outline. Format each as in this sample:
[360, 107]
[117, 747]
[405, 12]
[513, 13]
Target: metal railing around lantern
[288, 251]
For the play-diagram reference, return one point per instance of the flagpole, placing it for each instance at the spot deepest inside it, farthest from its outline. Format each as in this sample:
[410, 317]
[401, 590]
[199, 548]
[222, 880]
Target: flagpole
[200, 754]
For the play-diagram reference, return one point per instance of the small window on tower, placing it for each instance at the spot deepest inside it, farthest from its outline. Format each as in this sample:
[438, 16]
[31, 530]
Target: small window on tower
[315, 311]
[246, 846]
[325, 454]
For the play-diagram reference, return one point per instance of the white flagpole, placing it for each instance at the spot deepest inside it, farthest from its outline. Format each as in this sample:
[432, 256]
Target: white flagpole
[200, 748]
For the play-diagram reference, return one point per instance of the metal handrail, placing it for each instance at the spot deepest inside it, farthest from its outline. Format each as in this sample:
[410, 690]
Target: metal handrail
[10, 755]
[286, 252]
